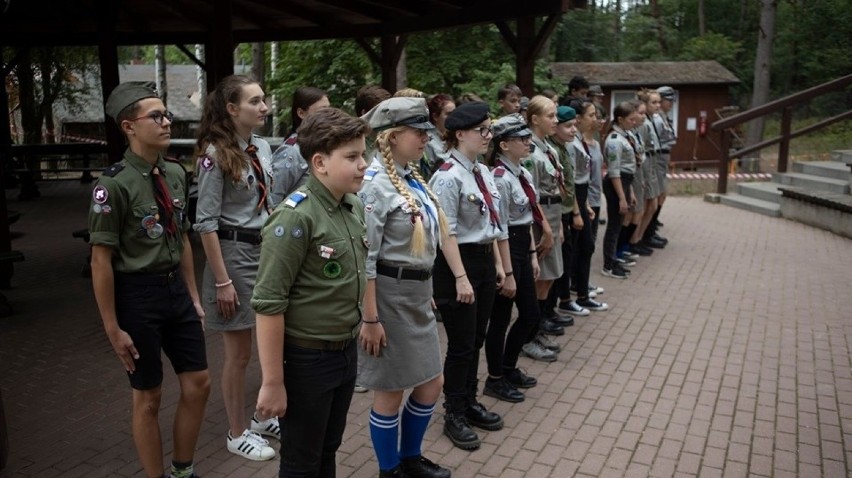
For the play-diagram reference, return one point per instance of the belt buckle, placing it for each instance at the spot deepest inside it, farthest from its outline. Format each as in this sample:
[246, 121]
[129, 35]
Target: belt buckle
[171, 276]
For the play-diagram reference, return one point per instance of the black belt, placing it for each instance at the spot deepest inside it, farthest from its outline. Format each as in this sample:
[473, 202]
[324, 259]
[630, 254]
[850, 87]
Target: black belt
[548, 200]
[147, 278]
[476, 248]
[401, 273]
[317, 344]
[248, 236]
[665, 151]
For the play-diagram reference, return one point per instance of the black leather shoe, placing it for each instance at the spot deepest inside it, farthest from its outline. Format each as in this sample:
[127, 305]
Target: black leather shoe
[420, 467]
[653, 243]
[548, 327]
[459, 432]
[562, 320]
[395, 472]
[478, 416]
[660, 238]
[500, 389]
[519, 379]
[641, 250]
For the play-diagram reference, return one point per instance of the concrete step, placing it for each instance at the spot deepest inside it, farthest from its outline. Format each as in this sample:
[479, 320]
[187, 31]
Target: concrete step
[842, 155]
[812, 182]
[825, 169]
[751, 204]
[764, 191]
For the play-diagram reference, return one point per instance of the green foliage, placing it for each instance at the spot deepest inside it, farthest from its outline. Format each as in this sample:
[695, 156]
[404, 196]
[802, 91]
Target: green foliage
[712, 46]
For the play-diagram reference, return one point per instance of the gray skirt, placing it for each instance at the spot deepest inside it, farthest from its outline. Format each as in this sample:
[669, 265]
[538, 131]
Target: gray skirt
[413, 354]
[662, 168]
[241, 262]
[551, 265]
[652, 189]
[638, 190]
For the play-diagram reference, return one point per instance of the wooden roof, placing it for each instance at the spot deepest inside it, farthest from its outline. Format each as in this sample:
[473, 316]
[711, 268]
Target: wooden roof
[81, 22]
[644, 73]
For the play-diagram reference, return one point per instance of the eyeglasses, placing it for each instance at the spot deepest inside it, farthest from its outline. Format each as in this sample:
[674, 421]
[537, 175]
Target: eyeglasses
[523, 139]
[157, 117]
[484, 131]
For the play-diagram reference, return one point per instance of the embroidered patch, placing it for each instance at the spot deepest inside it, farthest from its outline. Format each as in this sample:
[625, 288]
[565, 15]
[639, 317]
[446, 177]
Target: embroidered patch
[106, 209]
[296, 232]
[96, 208]
[332, 269]
[370, 173]
[294, 199]
[368, 208]
[100, 194]
[326, 252]
[370, 199]
[279, 231]
[207, 163]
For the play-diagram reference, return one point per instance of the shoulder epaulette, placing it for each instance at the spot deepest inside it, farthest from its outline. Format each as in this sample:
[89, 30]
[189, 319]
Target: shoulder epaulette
[370, 173]
[172, 160]
[294, 199]
[446, 166]
[499, 171]
[613, 136]
[113, 170]
[290, 141]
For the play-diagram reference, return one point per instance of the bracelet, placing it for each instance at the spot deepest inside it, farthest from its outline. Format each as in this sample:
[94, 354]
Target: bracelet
[377, 321]
[533, 252]
[225, 284]
[459, 277]
[509, 273]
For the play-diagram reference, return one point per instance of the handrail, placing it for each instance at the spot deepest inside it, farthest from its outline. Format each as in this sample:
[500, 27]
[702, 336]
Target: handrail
[785, 105]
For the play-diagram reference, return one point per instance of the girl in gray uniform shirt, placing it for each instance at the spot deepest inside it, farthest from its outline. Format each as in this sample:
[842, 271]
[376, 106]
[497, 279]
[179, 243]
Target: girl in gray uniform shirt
[234, 177]
[291, 169]
[399, 337]
[620, 157]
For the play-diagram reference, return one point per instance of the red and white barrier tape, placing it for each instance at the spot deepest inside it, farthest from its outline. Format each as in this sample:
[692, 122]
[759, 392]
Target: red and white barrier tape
[744, 176]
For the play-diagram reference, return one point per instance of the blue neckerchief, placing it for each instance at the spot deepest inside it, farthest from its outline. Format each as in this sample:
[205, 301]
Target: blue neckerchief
[424, 198]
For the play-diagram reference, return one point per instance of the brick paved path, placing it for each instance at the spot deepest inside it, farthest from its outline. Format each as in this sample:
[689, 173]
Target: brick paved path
[727, 354]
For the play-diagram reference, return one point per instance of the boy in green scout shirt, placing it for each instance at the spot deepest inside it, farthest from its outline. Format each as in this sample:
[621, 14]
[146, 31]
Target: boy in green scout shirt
[143, 277]
[308, 296]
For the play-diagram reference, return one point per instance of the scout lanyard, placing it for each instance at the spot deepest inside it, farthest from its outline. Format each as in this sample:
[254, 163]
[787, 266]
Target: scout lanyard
[258, 172]
[630, 141]
[489, 203]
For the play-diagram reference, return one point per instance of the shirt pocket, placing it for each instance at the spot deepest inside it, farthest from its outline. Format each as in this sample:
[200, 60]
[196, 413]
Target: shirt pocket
[241, 191]
[334, 256]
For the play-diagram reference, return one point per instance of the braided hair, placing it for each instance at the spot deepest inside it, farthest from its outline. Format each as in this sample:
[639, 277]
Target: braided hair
[418, 238]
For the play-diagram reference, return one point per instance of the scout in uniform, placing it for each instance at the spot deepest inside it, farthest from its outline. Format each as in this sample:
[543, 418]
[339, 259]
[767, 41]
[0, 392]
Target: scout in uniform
[519, 208]
[509, 99]
[440, 106]
[233, 204]
[467, 270]
[644, 234]
[548, 180]
[668, 138]
[621, 165]
[399, 336]
[143, 277]
[290, 168]
[309, 296]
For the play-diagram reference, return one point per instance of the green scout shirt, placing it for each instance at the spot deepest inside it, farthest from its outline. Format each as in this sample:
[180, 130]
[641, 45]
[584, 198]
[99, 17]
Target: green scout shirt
[123, 204]
[567, 174]
[312, 263]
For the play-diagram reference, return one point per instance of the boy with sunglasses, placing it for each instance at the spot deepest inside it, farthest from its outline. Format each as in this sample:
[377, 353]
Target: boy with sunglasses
[143, 277]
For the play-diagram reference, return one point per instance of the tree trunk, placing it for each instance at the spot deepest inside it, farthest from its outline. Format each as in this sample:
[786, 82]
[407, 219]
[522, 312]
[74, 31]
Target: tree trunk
[658, 25]
[401, 72]
[762, 67]
[702, 24]
[273, 98]
[258, 62]
[617, 30]
[160, 65]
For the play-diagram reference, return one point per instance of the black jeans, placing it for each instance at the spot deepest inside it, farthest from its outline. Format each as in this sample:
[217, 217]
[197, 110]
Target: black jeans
[501, 350]
[319, 387]
[613, 217]
[466, 324]
[562, 286]
[584, 246]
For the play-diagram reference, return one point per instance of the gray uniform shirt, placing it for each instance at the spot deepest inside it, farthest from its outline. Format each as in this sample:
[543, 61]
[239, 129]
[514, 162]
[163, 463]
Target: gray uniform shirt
[649, 137]
[435, 148]
[665, 131]
[389, 215]
[225, 203]
[595, 174]
[463, 203]
[582, 161]
[620, 155]
[515, 209]
[544, 170]
[290, 170]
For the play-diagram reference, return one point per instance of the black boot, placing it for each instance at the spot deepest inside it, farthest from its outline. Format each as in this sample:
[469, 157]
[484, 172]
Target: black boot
[500, 389]
[421, 467]
[477, 415]
[395, 472]
[459, 432]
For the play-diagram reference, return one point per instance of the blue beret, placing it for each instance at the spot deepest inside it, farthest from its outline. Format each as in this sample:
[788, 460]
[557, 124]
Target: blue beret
[565, 113]
[466, 116]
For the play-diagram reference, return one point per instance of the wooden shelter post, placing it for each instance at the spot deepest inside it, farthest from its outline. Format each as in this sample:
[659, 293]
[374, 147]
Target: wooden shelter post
[527, 42]
[219, 49]
[5, 157]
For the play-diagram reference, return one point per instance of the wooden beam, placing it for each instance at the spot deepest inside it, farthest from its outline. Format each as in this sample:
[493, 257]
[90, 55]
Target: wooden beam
[371, 52]
[5, 156]
[524, 58]
[219, 50]
[508, 35]
[191, 56]
[392, 47]
[108, 54]
[544, 33]
[180, 9]
[374, 11]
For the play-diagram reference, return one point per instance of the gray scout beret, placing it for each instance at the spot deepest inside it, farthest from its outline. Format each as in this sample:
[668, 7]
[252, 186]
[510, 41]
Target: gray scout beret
[126, 94]
[466, 116]
[596, 90]
[666, 92]
[400, 111]
[510, 126]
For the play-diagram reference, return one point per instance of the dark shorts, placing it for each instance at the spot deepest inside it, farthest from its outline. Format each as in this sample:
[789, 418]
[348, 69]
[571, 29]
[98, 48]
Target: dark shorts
[157, 312]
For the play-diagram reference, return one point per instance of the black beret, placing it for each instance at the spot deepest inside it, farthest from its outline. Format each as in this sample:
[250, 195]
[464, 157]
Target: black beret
[466, 116]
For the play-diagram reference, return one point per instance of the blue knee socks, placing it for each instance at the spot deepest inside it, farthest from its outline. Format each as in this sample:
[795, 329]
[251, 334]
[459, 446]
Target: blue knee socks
[384, 431]
[415, 419]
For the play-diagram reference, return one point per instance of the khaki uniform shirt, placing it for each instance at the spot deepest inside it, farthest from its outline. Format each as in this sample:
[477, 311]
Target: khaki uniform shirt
[665, 131]
[515, 207]
[463, 202]
[289, 169]
[543, 170]
[567, 160]
[620, 156]
[223, 202]
[389, 219]
[312, 264]
[123, 215]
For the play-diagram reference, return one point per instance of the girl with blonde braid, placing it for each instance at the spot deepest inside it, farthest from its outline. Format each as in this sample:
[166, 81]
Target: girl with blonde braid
[399, 336]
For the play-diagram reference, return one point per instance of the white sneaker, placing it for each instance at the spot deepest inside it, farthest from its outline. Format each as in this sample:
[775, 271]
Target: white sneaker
[268, 427]
[250, 445]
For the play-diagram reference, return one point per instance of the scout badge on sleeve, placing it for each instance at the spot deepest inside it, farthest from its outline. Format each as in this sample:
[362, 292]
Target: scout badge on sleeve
[100, 194]
[207, 163]
[294, 199]
[370, 173]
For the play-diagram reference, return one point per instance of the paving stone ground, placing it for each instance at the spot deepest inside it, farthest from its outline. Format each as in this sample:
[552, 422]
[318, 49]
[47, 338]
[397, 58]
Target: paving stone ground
[726, 354]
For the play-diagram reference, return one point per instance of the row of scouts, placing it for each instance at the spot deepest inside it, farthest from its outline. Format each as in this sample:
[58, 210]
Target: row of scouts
[339, 261]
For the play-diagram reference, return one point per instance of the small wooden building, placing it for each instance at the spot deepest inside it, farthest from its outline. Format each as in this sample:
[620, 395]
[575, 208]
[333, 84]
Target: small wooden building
[703, 90]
